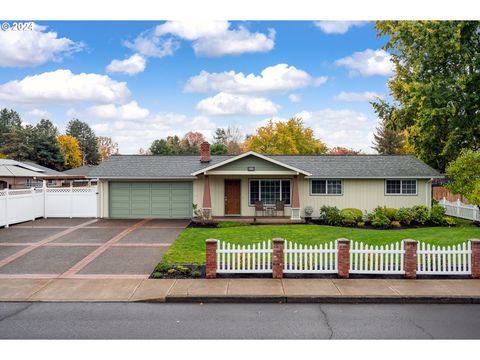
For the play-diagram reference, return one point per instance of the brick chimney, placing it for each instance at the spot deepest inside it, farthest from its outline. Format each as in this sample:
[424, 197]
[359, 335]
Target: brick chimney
[205, 152]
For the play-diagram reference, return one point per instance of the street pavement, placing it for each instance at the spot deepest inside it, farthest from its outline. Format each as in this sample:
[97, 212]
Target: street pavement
[34, 320]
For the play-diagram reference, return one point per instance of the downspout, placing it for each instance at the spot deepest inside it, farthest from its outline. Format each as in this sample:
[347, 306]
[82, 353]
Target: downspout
[428, 203]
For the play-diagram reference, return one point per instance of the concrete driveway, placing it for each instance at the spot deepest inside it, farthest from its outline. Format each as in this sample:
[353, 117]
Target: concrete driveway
[85, 248]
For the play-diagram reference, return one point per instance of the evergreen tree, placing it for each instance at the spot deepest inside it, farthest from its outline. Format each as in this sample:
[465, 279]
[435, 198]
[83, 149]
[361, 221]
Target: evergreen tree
[387, 141]
[87, 140]
[47, 153]
[9, 120]
[19, 145]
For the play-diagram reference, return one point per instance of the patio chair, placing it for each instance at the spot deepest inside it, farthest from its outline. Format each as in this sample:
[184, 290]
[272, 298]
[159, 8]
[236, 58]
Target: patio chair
[259, 207]
[280, 206]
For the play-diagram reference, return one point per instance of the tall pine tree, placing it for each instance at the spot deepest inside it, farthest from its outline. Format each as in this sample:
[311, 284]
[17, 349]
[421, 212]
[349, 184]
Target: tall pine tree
[387, 141]
[87, 140]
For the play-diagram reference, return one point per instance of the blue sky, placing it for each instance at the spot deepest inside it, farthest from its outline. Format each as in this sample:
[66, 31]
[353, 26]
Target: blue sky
[138, 81]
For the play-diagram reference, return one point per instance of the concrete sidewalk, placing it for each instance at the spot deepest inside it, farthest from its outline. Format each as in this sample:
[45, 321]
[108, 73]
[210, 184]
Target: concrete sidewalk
[242, 290]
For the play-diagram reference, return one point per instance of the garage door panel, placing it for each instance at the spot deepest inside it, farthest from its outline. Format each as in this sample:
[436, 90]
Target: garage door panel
[150, 199]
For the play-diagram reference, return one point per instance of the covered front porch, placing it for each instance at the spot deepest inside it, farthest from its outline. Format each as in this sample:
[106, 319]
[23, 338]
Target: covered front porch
[250, 188]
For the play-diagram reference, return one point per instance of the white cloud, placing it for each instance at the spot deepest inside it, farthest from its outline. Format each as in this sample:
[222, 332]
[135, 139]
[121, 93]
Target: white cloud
[39, 114]
[63, 86]
[354, 96]
[234, 42]
[130, 111]
[295, 98]
[278, 78]
[132, 135]
[192, 30]
[131, 66]
[234, 104]
[347, 128]
[208, 38]
[34, 47]
[368, 62]
[337, 27]
[150, 45]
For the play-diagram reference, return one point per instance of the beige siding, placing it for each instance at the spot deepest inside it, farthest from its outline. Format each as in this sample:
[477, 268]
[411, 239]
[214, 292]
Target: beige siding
[364, 194]
[103, 205]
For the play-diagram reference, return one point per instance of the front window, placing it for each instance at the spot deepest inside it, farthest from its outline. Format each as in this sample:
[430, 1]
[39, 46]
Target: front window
[401, 187]
[326, 187]
[270, 191]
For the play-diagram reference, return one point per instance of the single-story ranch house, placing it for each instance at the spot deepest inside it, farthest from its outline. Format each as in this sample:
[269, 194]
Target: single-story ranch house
[146, 186]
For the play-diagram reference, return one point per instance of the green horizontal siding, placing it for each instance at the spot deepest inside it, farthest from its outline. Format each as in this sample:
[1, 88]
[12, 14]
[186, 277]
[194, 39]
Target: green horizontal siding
[167, 200]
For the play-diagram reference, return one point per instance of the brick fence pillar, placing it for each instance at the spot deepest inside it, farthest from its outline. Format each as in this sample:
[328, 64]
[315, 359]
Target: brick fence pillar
[343, 258]
[211, 251]
[410, 258]
[277, 268]
[475, 243]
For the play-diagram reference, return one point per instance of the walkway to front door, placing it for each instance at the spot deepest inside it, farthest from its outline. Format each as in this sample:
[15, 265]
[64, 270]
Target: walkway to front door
[232, 197]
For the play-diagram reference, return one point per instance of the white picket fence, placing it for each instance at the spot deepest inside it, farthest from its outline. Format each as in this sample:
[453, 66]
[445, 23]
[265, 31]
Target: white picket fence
[364, 259]
[374, 259]
[445, 260]
[318, 259]
[460, 210]
[254, 258]
[28, 204]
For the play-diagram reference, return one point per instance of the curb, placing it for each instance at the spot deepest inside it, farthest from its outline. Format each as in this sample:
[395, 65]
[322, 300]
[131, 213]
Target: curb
[324, 299]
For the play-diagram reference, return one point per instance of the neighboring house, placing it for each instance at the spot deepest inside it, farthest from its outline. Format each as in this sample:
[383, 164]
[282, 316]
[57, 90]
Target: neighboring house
[84, 170]
[146, 186]
[25, 174]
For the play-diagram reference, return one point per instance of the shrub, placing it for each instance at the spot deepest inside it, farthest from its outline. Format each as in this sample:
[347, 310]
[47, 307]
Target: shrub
[391, 213]
[437, 214]
[183, 269]
[196, 274]
[449, 221]
[157, 275]
[162, 268]
[171, 271]
[331, 215]
[380, 220]
[404, 215]
[361, 224]
[356, 213]
[395, 224]
[348, 218]
[379, 217]
[420, 214]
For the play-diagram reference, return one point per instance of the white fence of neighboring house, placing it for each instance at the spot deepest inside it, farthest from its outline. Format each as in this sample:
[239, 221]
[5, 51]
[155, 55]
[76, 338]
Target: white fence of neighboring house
[71, 202]
[374, 259]
[254, 258]
[445, 260]
[457, 209]
[318, 259]
[27, 204]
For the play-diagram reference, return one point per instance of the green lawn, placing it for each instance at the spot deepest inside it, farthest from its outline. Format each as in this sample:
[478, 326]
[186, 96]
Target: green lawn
[189, 247]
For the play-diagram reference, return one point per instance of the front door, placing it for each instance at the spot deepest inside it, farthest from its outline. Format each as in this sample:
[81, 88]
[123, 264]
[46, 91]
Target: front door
[232, 197]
